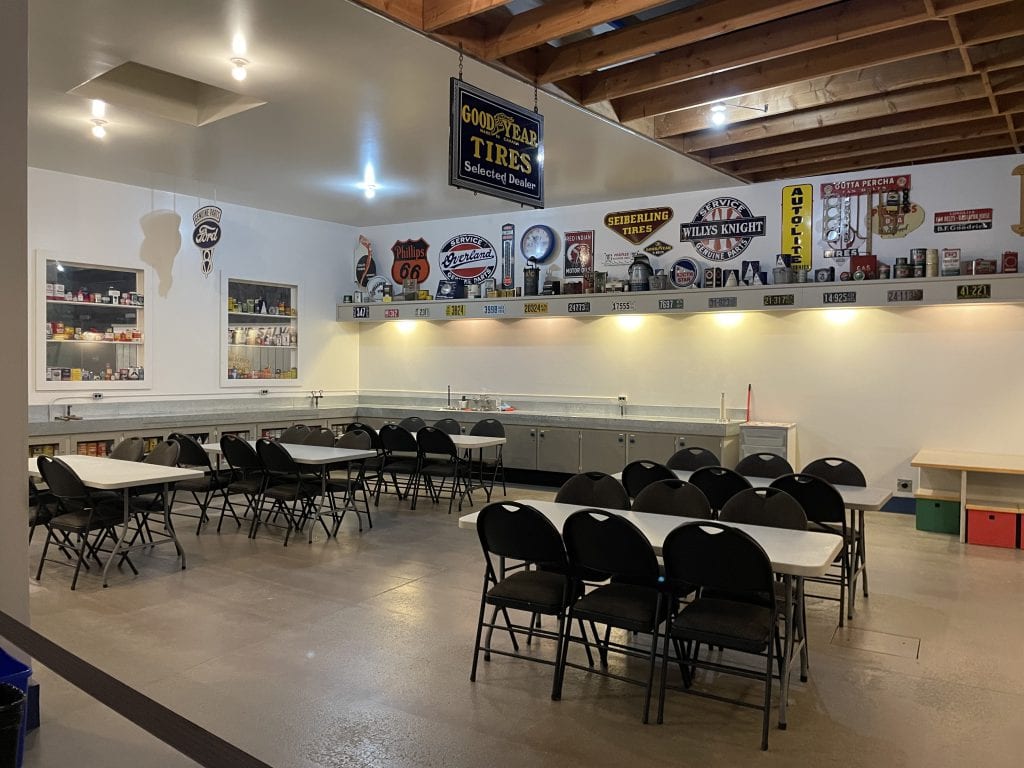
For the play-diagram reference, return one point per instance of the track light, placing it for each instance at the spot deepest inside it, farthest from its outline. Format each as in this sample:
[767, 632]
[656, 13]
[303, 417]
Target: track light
[719, 118]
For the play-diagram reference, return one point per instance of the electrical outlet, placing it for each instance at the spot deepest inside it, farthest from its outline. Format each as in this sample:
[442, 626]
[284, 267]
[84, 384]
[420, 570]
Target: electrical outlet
[904, 486]
[622, 398]
[264, 392]
[97, 395]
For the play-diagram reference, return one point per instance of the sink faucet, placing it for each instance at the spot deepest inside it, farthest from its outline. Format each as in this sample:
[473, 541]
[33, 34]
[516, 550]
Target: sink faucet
[68, 416]
[315, 396]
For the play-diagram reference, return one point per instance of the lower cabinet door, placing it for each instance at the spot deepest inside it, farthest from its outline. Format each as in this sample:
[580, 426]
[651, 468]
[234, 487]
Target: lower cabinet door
[520, 449]
[602, 450]
[655, 446]
[558, 449]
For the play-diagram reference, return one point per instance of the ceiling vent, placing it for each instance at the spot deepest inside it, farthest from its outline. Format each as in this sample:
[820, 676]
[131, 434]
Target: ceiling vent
[140, 88]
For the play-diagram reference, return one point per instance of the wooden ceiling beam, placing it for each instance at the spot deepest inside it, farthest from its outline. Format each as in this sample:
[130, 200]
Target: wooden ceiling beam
[855, 84]
[408, 12]
[921, 119]
[990, 24]
[440, 13]
[954, 28]
[949, 92]
[934, 152]
[700, 22]
[553, 21]
[810, 30]
[1006, 80]
[972, 129]
[999, 54]
[929, 37]
[1012, 128]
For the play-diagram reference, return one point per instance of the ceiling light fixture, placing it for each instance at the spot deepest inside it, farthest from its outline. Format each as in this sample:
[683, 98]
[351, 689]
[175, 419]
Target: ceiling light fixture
[99, 108]
[238, 69]
[238, 44]
[718, 116]
[369, 182]
[97, 128]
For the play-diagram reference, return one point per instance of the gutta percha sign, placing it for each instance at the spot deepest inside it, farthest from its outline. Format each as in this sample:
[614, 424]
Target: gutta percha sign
[495, 147]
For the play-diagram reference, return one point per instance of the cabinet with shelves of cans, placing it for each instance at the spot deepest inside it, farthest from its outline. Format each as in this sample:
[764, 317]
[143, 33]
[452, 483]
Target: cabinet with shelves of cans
[92, 328]
[261, 333]
[47, 446]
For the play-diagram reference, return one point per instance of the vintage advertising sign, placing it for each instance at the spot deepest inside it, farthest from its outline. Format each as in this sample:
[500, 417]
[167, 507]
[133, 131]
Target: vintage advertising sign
[206, 234]
[891, 219]
[579, 253]
[722, 229]
[636, 226]
[963, 221]
[495, 146]
[684, 273]
[469, 258]
[857, 187]
[365, 266]
[508, 256]
[411, 261]
[797, 208]
[658, 248]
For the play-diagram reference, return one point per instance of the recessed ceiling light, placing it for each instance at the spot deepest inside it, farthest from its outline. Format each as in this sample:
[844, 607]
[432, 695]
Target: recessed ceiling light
[97, 128]
[369, 182]
[238, 70]
[718, 114]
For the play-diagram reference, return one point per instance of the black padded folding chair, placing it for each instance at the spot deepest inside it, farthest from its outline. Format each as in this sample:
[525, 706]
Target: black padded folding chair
[440, 460]
[673, 497]
[203, 489]
[689, 459]
[248, 476]
[593, 489]
[638, 474]
[719, 484]
[490, 465]
[768, 465]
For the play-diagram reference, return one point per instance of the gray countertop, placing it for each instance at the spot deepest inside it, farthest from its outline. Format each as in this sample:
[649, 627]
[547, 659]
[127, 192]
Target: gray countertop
[689, 426]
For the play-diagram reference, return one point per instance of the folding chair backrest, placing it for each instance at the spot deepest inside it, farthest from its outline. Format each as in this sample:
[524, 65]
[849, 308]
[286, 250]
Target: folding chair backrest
[320, 436]
[673, 497]
[296, 433]
[837, 471]
[412, 423]
[356, 439]
[719, 484]
[520, 532]
[164, 453]
[63, 482]
[689, 459]
[190, 451]
[239, 454]
[603, 542]
[275, 457]
[593, 489]
[764, 465]
[436, 442]
[450, 426]
[488, 428]
[765, 506]
[395, 438]
[129, 449]
[720, 558]
[637, 475]
[822, 503]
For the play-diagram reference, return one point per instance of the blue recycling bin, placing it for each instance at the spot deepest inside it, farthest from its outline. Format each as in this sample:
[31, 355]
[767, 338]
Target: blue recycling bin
[16, 674]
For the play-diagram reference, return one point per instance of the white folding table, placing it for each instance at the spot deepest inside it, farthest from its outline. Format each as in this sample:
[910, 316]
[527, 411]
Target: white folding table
[108, 474]
[470, 443]
[315, 456]
[794, 555]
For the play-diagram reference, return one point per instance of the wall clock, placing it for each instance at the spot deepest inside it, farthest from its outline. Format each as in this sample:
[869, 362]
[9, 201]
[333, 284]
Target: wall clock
[539, 243]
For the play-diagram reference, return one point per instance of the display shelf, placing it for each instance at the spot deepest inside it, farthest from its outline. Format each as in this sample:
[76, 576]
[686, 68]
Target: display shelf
[66, 308]
[914, 292]
[247, 319]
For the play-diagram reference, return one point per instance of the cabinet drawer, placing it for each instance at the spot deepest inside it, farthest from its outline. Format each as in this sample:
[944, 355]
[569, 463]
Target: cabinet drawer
[763, 437]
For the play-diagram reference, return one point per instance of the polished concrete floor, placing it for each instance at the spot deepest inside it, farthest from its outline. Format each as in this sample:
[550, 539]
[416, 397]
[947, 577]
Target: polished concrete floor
[356, 652]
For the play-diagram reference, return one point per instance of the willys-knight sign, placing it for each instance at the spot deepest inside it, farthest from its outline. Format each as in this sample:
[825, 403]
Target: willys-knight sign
[495, 146]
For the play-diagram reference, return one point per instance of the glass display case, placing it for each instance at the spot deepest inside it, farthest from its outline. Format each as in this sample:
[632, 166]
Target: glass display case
[93, 330]
[262, 333]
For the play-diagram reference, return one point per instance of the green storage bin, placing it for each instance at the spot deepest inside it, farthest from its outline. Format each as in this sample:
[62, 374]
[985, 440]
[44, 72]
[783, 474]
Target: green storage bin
[938, 516]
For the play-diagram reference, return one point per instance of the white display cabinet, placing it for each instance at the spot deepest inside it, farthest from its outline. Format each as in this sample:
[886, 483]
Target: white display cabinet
[261, 334]
[91, 326]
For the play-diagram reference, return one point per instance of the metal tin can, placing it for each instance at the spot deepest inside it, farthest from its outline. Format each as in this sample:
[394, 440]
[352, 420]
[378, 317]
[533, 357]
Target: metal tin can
[901, 271]
[918, 270]
[918, 255]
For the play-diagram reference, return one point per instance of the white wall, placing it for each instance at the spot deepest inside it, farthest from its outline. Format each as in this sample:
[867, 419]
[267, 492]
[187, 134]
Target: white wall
[871, 384]
[100, 222]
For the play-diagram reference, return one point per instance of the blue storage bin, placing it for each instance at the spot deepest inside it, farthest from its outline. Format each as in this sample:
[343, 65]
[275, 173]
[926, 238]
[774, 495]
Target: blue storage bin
[17, 674]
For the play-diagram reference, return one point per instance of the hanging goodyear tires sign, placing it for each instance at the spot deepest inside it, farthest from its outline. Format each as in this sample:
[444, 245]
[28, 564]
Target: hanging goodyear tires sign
[411, 261]
[469, 258]
[495, 147]
[722, 229]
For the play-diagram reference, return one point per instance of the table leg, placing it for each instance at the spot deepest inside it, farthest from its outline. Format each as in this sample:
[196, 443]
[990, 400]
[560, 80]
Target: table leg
[787, 651]
[120, 539]
[805, 656]
[170, 525]
[963, 505]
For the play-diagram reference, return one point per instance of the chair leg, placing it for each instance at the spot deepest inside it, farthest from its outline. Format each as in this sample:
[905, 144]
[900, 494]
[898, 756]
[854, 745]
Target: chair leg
[46, 546]
[862, 554]
[650, 671]
[81, 556]
[479, 632]
[767, 696]
[564, 629]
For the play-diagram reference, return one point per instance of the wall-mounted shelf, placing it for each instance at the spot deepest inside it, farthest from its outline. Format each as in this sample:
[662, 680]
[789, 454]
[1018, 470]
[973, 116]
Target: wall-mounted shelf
[964, 289]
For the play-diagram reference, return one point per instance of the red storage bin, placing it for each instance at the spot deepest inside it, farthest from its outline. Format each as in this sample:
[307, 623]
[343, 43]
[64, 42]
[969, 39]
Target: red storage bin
[991, 528]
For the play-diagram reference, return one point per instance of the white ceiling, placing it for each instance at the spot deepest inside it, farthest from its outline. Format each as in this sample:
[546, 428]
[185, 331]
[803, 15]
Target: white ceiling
[343, 86]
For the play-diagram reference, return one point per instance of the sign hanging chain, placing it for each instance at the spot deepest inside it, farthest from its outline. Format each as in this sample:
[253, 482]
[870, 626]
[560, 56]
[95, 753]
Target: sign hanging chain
[460, 61]
[535, 110]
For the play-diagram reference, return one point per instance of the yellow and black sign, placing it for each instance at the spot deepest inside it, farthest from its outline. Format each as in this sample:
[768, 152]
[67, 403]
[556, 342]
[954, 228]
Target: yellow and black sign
[797, 208]
[637, 226]
[495, 146]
